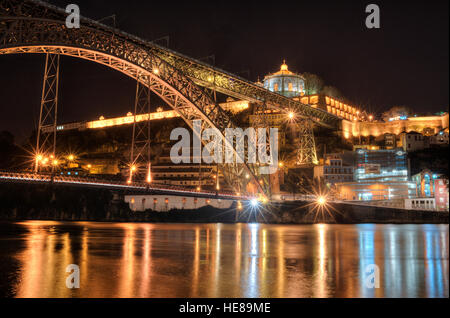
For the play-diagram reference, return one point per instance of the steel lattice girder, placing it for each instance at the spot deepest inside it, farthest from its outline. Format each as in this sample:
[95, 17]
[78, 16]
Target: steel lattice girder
[48, 115]
[201, 73]
[140, 145]
[29, 35]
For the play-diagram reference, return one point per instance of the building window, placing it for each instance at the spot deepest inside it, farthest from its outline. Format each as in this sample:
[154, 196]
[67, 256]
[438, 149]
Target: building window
[275, 87]
[290, 87]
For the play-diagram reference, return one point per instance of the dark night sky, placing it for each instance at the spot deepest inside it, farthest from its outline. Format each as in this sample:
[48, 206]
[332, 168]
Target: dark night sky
[403, 63]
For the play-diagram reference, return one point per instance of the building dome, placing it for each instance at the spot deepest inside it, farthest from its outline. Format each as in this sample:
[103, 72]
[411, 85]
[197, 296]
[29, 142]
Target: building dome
[285, 82]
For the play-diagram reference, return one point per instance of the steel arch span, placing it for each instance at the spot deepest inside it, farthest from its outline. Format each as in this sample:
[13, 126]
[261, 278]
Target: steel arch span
[22, 33]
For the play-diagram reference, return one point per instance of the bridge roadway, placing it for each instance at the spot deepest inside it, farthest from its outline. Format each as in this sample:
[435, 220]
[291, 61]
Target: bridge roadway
[134, 187]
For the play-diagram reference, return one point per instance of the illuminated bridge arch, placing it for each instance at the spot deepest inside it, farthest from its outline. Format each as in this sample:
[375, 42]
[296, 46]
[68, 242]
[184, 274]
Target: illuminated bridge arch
[27, 27]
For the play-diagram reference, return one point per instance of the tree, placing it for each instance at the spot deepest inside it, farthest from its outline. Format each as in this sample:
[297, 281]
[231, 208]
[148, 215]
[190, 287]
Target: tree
[396, 111]
[331, 91]
[313, 84]
[9, 152]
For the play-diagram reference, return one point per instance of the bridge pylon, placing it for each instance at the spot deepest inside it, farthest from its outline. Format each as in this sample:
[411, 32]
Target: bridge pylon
[260, 121]
[48, 115]
[140, 155]
[306, 152]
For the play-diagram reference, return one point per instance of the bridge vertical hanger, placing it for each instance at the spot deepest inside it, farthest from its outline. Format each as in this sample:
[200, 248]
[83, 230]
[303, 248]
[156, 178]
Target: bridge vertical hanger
[48, 115]
[306, 153]
[140, 156]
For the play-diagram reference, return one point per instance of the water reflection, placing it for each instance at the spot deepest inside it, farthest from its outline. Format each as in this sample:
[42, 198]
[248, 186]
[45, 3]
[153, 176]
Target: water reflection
[218, 260]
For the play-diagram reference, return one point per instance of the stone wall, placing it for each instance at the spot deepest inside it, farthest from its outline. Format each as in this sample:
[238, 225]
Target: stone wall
[37, 202]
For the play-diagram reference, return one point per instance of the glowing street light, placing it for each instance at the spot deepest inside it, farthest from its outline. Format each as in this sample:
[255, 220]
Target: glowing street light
[321, 200]
[254, 202]
[71, 157]
[291, 115]
[155, 71]
[55, 162]
[370, 118]
[149, 173]
[38, 159]
[132, 169]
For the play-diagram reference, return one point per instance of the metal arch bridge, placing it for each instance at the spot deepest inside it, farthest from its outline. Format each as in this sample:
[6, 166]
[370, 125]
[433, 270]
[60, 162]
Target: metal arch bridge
[33, 26]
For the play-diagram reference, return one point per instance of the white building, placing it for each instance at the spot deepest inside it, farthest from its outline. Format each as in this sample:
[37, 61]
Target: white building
[165, 203]
[423, 204]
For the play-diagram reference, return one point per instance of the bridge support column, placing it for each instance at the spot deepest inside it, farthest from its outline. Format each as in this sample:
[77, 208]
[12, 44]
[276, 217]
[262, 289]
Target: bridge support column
[306, 153]
[140, 156]
[260, 115]
[48, 115]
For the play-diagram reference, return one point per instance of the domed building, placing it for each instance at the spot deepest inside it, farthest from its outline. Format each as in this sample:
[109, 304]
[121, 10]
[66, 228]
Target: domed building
[285, 82]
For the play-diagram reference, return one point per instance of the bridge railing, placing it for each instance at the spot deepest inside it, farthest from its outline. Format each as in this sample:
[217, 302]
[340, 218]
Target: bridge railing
[48, 177]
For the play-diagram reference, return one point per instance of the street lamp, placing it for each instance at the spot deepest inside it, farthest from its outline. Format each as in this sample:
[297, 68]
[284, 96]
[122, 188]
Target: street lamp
[149, 173]
[254, 202]
[321, 200]
[38, 159]
[132, 169]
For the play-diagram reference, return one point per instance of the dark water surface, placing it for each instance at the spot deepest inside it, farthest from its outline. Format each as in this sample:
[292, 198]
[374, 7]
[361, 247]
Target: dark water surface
[218, 260]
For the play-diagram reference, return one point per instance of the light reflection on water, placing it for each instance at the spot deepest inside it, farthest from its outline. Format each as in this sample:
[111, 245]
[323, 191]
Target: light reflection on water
[218, 260]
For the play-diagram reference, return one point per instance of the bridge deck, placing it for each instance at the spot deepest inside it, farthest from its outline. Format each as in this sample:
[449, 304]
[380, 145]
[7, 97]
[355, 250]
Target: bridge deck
[135, 187]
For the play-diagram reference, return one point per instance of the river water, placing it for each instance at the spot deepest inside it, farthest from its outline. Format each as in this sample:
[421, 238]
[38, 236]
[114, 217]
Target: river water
[219, 260]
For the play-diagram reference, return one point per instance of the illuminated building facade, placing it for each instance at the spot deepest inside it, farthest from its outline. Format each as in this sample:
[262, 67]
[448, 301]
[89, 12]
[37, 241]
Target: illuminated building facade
[231, 106]
[379, 175]
[428, 126]
[381, 165]
[333, 106]
[425, 181]
[186, 175]
[285, 82]
[441, 194]
[375, 191]
[333, 171]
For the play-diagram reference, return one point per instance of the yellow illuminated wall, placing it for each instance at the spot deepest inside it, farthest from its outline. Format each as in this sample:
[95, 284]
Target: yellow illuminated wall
[376, 129]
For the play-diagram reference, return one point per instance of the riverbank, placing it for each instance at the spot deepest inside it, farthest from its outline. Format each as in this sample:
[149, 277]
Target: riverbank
[44, 202]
